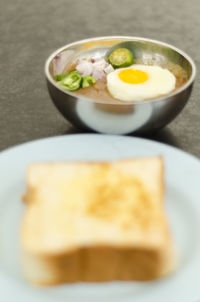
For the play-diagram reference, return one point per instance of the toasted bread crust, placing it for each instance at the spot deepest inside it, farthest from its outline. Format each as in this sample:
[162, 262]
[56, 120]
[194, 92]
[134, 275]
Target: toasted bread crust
[100, 264]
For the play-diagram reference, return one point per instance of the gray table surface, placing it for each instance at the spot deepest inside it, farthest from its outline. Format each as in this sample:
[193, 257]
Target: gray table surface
[31, 30]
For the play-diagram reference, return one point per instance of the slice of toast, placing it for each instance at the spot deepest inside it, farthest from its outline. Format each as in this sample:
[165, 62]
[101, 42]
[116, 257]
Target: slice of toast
[97, 221]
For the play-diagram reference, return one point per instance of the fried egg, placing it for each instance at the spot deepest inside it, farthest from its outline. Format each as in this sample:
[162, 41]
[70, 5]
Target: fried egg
[140, 82]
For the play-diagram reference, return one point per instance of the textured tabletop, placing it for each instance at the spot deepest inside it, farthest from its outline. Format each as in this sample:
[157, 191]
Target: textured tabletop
[31, 30]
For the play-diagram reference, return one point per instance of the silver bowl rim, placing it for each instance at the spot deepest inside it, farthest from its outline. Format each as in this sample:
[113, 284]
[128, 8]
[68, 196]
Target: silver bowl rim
[132, 38]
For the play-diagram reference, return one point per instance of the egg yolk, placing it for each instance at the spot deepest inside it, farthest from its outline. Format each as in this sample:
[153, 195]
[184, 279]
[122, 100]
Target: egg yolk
[133, 76]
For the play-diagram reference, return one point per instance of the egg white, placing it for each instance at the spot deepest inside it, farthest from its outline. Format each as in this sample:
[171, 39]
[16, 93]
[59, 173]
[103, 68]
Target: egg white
[160, 81]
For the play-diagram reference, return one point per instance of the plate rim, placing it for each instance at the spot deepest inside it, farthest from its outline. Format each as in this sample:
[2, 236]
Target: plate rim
[66, 136]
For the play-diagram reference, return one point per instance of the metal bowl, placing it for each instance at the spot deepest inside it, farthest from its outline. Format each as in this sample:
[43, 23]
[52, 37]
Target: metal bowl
[118, 117]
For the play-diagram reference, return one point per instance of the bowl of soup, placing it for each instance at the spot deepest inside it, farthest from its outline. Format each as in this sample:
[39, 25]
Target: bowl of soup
[119, 84]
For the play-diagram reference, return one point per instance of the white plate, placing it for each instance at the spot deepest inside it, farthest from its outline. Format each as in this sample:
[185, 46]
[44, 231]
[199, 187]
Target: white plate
[182, 205]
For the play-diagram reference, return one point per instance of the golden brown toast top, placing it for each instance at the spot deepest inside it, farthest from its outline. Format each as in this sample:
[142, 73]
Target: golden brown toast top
[76, 204]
